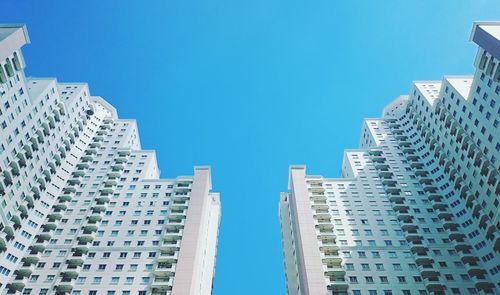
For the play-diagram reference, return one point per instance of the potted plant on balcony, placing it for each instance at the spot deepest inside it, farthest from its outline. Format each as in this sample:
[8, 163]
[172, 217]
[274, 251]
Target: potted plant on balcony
[23, 273]
[30, 260]
[16, 287]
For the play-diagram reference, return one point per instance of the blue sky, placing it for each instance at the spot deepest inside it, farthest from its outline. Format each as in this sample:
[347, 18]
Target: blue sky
[249, 87]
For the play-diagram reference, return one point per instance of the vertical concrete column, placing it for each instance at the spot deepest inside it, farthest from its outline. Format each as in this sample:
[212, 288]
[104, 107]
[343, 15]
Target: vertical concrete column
[189, 268]
[311, 272]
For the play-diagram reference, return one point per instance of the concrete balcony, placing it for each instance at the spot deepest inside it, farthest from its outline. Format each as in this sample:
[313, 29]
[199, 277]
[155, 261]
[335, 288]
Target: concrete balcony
[413, 236]
[164, 268]
[404, 215]
[435, 197]
[174, 233]
[162, 282]
[121, 160]
[117, 167]
[423, 259]
[439, 206]
[180, 212]
[170, 256]
[74, 181]
[475, 270]
[483, 284]
[330, 256]
[114, 175]
[87, 158]
[445, 215]
[469, 258]
[455, 235]
[123, 153]
[337, 285]
[461, 246]
[169, 245]
[400, 207]
[334, 270]
[396, 198]
[434, 284]
[409, 226]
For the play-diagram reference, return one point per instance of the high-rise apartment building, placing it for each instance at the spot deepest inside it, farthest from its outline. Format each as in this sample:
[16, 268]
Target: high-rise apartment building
[83, 210]
[416, 210]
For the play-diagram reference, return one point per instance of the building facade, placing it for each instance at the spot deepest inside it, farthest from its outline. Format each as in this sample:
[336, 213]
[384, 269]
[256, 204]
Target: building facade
[83, 208]
[416, 210]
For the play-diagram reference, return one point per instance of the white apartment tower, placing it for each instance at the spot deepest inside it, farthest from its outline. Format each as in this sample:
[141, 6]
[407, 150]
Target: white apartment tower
[417, 208]
[83, 210]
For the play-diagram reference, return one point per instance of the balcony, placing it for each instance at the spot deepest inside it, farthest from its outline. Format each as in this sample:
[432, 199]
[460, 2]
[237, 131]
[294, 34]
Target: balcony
[378, 159]
[15, 168]
[330, 255]
[117, 167]
[434, 284]
[161, 281]
[385, 174]
[163, 268]
[445, 215]
[400, 207]
[113, 175]
[474, 270]
[405, 215]
[42, 183]
[69, 189]
[462, 246]
[21, 159]
[334, 270]
[121, 160]
[169, 245]
[469, 258]
[435, 197]
[123, 153]
[45, 129]
[456, 235]
[439, 206]
[337, 285]
[375, 152]
[409, 227]
[417, 246]
[483, 284]
[430, 189]
[413, 236]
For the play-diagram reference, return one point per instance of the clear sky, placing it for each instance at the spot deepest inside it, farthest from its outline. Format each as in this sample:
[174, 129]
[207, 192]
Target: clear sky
[249, 87]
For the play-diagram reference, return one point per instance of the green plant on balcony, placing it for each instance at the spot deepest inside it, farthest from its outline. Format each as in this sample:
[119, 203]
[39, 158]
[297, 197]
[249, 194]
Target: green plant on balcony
[98, 209]
[69, 275]
[102, 200]
[29, 200]
[17, 221]
[54, 216]
[85, 239]
[94, 218]
[3, 245]
[89, 229]
[74, 262]
[31, 260]
[65, 198]
[17, 287]
[79, 251]
[24, 211]
[59, 207]
[37, 249]
[49, 226]
[63, 289]
[9, 233]
[23, 273]
[43, 237]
